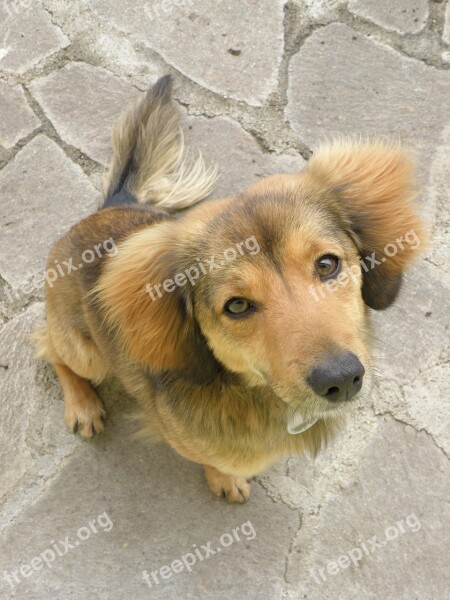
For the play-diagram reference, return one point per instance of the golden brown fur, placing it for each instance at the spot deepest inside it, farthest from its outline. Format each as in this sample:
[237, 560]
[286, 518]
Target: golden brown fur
[219, 390]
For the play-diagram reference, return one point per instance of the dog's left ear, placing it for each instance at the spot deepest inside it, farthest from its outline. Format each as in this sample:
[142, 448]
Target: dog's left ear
[148, 313]
[370, 186]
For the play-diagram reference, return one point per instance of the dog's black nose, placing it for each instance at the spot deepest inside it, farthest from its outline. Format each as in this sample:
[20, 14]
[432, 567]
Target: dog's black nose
[339, 378]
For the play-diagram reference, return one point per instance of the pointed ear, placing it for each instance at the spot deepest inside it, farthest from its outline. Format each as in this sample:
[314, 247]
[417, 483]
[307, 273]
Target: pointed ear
[371, 188]
[151, 316]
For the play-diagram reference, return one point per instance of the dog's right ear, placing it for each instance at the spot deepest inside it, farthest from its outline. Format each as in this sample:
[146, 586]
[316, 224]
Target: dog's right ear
[152, 316]
[370, 187]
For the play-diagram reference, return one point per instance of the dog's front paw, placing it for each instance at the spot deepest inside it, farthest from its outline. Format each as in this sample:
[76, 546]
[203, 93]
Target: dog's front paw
[85, 415]
[234, 489]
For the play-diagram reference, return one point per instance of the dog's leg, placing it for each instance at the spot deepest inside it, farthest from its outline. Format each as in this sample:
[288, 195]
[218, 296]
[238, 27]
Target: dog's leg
[235, 489]
[83, 409]
[75, 360]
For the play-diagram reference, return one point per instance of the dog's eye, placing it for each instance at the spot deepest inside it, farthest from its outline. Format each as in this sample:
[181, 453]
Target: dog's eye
[238, 307]
[328, 266]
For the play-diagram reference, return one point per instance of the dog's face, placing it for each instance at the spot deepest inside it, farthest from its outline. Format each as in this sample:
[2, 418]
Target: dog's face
[267, 311]
[284, 275]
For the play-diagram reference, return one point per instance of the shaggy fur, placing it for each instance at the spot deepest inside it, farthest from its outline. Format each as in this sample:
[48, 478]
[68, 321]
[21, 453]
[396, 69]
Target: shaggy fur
[149, 152]
[222, 391]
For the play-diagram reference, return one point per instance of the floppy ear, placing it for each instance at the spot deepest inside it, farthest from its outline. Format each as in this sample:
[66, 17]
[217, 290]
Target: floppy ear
[372, 191]
[156, 327]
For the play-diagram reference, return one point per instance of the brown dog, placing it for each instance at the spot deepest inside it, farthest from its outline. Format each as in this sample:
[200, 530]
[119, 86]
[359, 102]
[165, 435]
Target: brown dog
[239, 325]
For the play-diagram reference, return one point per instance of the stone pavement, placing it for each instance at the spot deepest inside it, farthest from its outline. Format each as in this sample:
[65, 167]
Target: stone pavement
[260, 83]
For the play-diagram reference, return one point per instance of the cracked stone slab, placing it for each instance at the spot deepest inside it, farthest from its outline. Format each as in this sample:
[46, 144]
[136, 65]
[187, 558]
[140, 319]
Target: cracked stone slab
[27, 36]
[32, 438]
[82, 102]
[119, 54]
[161, 509]
[43, 194]
[403, 16]
[417, 402]
[413, 336]
[322, 9]
[331, 92]
[240, 160]
[437, 195]
[299, 481]
[281, 487]
[231, 48]
[446, 35]
[415, 329]
[402, 478]
[17, 119]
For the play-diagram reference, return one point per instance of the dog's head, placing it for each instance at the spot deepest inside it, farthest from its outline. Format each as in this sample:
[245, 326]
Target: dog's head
[274, 284]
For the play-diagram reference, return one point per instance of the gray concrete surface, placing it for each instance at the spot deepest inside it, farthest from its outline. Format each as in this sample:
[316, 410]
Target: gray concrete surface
[259, 83]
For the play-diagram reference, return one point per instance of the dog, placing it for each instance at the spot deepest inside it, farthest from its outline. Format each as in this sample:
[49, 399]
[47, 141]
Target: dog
[241, 325]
